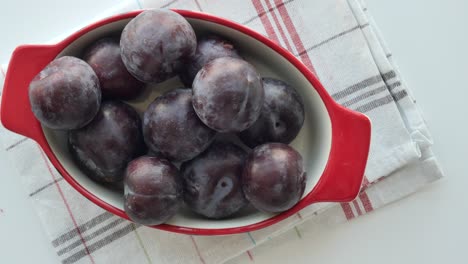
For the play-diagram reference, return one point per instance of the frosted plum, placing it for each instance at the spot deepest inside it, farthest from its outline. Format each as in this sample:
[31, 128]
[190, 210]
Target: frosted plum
[212, 181]
[105, 146]
[65, 94]
[152, 190]
[156, 44]
[274, 178]
[228, 94]
[209, 48]
[116, 82]
[172, 128]
[282, 115]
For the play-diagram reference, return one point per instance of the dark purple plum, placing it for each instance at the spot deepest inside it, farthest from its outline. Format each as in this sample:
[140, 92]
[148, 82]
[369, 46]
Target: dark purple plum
[116, 82]
[172, 128]
[274, 178]
[156, 44]
[282, 115]
[228, 94]
[65, 94]
[209, 48]
[212, 181]
[152, 190]
[104, 147]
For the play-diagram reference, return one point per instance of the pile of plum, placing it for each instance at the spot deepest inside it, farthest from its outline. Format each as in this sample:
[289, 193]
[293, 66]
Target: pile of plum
[174, 155]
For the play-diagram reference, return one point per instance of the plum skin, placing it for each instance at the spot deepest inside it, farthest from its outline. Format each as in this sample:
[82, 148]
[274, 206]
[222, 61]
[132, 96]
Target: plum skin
[65, 94]
[212, 181]
[105, 59]
[274, 178]
[152, 190]
[103, 148]
[156, 53]
[172, 128]
[208, 48]
[281, 118]
[228, 94]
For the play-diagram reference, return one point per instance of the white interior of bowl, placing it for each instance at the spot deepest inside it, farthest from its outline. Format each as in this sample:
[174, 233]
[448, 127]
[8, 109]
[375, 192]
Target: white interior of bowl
[313, 141]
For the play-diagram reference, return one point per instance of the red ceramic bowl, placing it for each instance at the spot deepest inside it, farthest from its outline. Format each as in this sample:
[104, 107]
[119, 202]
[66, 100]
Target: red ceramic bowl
[334, 141]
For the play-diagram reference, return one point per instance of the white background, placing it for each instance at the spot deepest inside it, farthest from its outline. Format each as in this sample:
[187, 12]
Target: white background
[429, 40]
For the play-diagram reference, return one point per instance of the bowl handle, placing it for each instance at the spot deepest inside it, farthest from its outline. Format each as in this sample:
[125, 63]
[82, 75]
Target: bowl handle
[344, 172]
[26, 62]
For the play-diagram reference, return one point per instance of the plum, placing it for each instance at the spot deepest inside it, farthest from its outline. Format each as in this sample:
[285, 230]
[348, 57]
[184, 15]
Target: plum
[209, 48]
[155, 44]
[172, 128]
[152, 190]
[212, 181]
[116, 82]
[65, 94]
[105, 146]
[282, 115]
[228, 94]
[273, 179]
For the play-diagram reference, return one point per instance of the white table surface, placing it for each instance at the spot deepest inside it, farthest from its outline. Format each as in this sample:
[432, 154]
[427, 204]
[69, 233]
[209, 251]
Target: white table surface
[429, 40]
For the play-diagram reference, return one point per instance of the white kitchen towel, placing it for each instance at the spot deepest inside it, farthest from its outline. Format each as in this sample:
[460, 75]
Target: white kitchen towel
[339, 42]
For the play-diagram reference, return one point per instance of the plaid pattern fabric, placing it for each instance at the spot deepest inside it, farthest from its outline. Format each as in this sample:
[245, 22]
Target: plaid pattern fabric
[338, 41]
